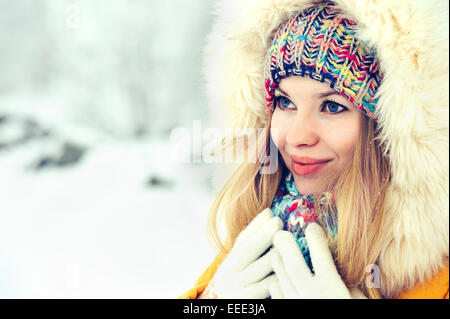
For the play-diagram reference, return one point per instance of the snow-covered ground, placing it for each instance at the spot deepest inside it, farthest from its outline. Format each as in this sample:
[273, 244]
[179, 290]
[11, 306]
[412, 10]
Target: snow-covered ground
[99, 228]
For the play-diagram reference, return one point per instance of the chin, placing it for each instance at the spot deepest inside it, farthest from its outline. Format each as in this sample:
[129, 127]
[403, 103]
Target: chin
[308, 186]
[309, 190]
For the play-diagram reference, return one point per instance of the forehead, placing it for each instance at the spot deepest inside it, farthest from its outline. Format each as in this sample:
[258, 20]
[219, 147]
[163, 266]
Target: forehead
[297, 85]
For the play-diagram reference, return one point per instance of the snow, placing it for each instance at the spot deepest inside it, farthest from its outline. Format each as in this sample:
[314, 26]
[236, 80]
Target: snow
[104, 80]
[97, 231]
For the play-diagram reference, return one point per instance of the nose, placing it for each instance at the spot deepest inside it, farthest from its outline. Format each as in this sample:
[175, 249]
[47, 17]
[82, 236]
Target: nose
[303, 131]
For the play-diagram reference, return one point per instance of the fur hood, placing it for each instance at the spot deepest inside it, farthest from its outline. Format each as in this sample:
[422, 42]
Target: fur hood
[411, 38]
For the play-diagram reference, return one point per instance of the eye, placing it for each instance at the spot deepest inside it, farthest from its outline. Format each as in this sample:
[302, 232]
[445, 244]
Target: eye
[333, 107]
[282, 102]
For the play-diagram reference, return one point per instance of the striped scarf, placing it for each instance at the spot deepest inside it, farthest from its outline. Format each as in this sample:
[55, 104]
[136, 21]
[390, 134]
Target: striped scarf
[297, 211]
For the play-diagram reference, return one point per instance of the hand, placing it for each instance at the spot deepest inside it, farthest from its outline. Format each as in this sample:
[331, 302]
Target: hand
[244, 273]
[295, 280]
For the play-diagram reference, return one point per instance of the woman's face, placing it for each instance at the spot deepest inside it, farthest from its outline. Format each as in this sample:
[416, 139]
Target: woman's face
[317, 131]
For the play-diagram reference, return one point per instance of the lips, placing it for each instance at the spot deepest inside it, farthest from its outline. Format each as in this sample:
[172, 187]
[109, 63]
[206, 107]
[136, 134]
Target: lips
[306, 165]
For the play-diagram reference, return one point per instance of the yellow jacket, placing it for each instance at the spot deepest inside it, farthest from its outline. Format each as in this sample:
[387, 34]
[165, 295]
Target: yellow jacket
[435, 288]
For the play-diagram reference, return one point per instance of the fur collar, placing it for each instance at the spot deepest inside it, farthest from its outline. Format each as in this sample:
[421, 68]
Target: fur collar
[412, 43]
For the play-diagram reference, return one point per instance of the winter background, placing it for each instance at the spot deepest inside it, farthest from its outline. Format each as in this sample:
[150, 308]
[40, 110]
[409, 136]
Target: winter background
[93, 204]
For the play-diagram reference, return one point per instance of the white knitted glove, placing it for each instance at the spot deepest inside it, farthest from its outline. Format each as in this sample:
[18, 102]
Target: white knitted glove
[295, 280]
[244, 272]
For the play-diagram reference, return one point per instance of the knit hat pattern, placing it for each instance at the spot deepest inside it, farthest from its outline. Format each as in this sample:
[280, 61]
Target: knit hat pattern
[320, 43]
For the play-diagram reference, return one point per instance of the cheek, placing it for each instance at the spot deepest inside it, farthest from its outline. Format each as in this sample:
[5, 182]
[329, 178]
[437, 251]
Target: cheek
[278, 130]
[343, 139]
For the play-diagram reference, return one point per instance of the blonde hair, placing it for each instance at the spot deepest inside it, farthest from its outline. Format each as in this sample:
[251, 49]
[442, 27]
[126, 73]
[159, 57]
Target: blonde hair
[359, 199]
[244, 195]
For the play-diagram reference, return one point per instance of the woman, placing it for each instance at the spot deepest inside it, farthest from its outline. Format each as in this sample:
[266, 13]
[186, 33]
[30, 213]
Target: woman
[355, 95]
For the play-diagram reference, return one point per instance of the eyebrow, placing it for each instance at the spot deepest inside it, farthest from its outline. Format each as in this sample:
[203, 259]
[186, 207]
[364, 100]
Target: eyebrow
[320, 95]
[325, 94]
[279, 89]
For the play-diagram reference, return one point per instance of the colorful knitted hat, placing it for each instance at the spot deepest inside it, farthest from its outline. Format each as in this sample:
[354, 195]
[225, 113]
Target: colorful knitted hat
[320, 43]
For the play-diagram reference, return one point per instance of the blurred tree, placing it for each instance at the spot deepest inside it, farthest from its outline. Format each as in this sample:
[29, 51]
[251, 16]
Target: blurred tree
[128, 68]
